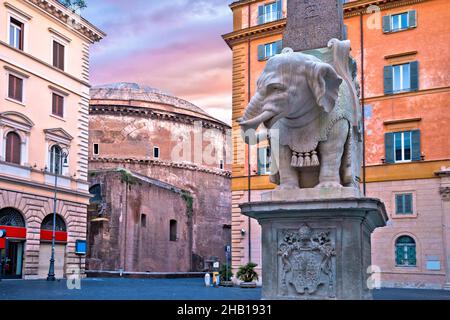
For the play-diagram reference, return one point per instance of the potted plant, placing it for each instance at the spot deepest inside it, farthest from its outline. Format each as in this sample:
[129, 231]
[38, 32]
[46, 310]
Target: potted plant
[225, 276]
[247, 275]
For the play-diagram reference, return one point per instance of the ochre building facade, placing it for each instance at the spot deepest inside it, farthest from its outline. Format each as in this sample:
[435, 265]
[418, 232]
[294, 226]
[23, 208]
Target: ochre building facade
[406, 89]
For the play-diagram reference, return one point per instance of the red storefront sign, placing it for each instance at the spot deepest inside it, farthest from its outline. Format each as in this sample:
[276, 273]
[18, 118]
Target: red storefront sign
[15, 232]
[12, 233]
[60, 236]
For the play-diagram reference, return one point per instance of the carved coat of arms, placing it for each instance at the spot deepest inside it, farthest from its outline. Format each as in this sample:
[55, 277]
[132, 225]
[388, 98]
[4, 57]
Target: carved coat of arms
[306, 259]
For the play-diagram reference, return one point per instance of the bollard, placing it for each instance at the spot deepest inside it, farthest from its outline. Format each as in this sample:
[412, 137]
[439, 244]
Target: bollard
[207, 280]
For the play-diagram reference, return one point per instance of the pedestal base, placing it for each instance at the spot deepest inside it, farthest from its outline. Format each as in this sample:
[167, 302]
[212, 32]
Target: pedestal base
[310, 194]
[318, 249]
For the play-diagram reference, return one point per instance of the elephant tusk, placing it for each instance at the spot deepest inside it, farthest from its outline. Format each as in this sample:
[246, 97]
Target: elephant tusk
[266, 115]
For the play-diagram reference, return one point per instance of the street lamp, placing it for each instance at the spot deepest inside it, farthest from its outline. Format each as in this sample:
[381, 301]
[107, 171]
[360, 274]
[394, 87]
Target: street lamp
[58, 160]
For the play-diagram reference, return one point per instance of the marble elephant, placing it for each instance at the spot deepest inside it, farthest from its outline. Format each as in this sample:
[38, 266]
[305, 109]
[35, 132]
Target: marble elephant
[311, 111]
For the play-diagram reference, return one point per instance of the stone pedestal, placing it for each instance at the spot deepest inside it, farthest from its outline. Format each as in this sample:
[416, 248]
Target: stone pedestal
[316, 249]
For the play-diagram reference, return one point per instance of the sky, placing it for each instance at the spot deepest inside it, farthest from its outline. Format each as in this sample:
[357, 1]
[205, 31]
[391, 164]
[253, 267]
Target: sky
[173, 45]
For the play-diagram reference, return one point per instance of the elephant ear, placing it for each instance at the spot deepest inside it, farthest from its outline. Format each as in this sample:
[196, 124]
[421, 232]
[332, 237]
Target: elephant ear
[324, 83]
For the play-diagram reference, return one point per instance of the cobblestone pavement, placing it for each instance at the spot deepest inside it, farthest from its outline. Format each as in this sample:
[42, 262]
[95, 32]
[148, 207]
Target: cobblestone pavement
[162, 289]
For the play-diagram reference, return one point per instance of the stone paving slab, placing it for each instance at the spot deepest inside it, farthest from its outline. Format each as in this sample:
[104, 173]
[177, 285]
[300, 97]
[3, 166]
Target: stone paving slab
[164, 289]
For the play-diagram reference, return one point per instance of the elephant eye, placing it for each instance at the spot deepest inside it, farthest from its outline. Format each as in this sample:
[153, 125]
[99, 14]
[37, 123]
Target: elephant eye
[275, 87]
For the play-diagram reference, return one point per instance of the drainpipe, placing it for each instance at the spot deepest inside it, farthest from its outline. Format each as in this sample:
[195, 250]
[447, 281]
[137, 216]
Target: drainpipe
[126, 228]
[248, 145]
[363, 100]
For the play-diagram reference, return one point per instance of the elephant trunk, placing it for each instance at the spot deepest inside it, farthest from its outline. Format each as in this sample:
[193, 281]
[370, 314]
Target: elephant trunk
[254, 114]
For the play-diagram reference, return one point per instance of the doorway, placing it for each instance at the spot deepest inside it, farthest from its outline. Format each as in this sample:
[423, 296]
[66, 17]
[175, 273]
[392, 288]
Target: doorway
[12, 258]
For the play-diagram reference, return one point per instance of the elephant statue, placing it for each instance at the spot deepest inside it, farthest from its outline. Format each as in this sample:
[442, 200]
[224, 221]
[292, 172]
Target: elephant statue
[311, 111]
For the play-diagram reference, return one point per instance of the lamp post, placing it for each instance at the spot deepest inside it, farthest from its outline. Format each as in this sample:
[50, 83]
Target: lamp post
[57, 160]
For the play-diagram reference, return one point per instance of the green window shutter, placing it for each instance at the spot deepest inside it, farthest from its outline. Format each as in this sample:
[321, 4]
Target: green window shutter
[260, 14]
[261, 52]
[279, 46]
[279, 9]
[415, 137]
[388, 80]
[408, 203]
[386, 24]
[399, 255]
[412, 17]
[389, 147]
[399, 209]
[411, 252]
[414, 73]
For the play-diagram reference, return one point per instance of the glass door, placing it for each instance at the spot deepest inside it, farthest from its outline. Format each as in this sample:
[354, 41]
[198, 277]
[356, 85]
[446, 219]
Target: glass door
[13, 260]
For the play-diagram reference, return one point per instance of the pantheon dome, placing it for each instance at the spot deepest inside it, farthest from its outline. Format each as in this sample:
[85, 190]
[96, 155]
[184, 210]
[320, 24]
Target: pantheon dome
[160, 179]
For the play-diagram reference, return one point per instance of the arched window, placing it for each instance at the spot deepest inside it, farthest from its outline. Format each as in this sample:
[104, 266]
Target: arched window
[55, 160]
[96, 191]
[13, 146]
[10, 217]
[47, 223]
[173, 230]
[405, 252]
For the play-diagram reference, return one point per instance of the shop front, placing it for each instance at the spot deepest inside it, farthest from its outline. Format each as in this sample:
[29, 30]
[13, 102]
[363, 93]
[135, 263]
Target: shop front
[12, 246]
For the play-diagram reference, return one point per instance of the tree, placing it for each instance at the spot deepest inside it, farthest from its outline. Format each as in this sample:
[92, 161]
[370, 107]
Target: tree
[74, 4]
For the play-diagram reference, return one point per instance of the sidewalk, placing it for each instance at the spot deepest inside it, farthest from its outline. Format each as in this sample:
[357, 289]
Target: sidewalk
[163, 289]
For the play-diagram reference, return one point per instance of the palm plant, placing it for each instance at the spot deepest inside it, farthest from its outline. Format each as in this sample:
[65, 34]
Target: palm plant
[225, 273]
[247, 272]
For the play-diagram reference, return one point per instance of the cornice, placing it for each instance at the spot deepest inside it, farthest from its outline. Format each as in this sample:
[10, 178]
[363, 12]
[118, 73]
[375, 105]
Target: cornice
[355, 8]
[155, 114]
[73, 21]
[22, 182]
[254, 32]
[240, 3]
[152, 162]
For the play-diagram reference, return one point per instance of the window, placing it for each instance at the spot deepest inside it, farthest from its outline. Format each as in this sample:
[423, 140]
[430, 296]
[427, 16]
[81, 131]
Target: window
[16, 31]
[270, 12]
[264, 160]
[13, 146]
[58, 55]
[402, 147]
[400, 21]
[47, 223]
[10, 217]
[401, 78]
[405, 252]
[96, 149]
[58, 105]
[173, 230]
[265, 51]
[156, 152]
[15, 88]
[221, 164]
[96, 192]
[55, 160]
[404, 203]
[143, 220]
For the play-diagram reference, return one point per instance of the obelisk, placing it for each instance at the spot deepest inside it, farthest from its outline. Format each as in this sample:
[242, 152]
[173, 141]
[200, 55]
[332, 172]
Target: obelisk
[312, 23]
